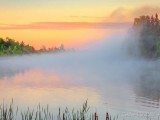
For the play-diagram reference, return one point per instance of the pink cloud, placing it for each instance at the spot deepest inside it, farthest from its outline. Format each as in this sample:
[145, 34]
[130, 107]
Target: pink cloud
[67, 25]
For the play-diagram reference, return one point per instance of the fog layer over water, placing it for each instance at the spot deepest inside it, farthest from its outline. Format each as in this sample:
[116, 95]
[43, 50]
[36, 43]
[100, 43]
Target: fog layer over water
[112, 68]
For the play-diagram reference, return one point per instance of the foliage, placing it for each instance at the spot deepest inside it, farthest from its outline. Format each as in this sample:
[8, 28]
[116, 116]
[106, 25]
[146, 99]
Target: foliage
[9, 46]
[78, 115]
[41, 113]
[148, 30]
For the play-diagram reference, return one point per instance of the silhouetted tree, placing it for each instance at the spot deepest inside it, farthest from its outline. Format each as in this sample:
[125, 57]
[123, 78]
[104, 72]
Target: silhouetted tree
[61, 47]
[148, 29]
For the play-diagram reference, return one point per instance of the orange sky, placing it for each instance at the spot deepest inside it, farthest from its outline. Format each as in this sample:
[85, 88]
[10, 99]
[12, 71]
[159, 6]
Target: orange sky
[72, 23]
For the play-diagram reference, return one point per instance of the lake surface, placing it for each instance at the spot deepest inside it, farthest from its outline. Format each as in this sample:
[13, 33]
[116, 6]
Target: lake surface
[108, 77]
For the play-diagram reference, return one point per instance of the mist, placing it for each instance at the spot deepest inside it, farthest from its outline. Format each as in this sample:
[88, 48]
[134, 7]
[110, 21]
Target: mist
[112, 60]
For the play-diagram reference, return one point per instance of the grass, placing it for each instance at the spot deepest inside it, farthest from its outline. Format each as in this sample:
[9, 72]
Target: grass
[40, 113]
[11, 113]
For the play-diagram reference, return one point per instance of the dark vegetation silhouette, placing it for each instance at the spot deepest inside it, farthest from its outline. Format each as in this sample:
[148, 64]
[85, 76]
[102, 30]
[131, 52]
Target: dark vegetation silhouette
[147, 28]
[9, 46]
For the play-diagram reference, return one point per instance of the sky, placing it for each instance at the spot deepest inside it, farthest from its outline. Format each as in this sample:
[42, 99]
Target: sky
[73, 23]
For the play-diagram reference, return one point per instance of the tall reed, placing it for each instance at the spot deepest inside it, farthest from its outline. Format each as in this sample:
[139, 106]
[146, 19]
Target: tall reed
[41, 113]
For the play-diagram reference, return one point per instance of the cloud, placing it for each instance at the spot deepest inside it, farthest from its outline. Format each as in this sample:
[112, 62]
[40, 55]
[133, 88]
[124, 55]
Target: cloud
[96, 17]
[67, 25]
[123, 14]
[119, 15]
[146, 10]
[119, 18]
[120, 12]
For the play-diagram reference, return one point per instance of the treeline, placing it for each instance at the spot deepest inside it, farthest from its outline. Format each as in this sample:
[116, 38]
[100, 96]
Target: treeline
[9, 46]
[148, 30]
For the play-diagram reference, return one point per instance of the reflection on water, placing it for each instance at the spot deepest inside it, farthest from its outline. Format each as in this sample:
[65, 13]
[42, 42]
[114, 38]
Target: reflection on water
[147, 88]
[30, 87]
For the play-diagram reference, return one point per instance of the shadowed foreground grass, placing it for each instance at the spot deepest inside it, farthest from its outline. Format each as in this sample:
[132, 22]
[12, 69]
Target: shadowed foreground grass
[10, 113]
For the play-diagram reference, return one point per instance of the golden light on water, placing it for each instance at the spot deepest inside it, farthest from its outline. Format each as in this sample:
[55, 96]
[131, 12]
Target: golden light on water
[33, 86]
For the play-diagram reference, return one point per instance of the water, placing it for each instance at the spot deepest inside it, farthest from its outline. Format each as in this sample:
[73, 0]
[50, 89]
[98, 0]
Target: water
[108, 77]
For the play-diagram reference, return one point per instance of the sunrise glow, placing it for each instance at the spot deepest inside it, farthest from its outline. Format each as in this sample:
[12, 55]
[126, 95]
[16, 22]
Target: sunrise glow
[72, 23]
